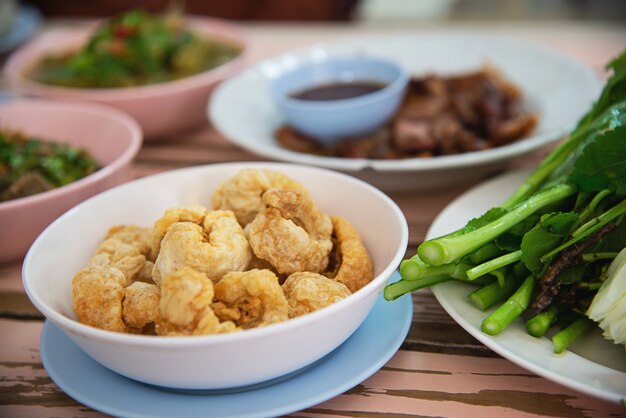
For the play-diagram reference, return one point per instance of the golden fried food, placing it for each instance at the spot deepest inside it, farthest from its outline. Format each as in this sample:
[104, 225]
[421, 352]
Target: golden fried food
[199, 271]
[242, 192]
[185, 306]
[189, 213]
[215, 250]
[307, 292]
[250, 299]
[97, 294]
[257, 263]
[292, 234]
[145, 274]
[352, 259]
[140, 238]
[140, 306]
[115, 253]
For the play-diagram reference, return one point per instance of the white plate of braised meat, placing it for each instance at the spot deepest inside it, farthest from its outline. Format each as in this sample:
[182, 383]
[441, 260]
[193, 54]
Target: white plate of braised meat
[474, 103]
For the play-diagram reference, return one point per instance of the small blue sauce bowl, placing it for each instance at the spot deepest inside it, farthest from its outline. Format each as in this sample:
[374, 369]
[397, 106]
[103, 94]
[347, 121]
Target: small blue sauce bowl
[331, 120]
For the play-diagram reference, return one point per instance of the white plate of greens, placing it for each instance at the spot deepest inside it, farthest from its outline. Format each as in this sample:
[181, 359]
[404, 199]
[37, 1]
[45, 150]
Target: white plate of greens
[591, 365]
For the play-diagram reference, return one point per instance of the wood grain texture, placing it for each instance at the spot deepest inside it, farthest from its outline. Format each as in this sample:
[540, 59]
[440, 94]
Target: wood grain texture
[440, 370]
[412, 383]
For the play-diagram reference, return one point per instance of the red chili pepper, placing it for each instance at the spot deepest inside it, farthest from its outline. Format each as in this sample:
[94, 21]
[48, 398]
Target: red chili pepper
[124, 31]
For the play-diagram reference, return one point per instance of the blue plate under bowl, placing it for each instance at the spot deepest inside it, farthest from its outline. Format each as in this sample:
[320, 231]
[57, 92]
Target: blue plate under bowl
[364, 353]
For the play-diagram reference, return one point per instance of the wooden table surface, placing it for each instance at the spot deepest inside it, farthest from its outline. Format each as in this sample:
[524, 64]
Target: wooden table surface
[440, 369]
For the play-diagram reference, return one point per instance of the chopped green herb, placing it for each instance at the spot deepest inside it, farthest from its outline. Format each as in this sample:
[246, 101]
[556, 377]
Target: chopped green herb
[136, 48]
[29, 166]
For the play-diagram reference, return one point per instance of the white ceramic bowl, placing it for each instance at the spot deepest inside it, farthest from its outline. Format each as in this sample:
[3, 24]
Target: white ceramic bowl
[214, 361]
[110, 136]
[554, 85]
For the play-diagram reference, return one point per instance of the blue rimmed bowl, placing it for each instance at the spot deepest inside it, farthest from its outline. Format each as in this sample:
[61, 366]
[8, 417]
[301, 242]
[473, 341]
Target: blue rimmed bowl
[329, 121]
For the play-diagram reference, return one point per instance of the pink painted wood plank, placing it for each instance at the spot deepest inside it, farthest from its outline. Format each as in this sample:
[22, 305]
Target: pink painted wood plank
[425, 384]
[429, 384]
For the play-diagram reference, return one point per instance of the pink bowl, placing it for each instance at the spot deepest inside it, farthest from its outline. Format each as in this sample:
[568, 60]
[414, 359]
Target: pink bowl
[161, 109]
[110, 136]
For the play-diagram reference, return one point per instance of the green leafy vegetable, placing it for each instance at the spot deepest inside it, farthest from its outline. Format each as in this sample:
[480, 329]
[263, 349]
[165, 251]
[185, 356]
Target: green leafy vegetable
[135, 48]
[614, 91]
[547, 246]
[29, 166]
[551, 231]
[602, 164]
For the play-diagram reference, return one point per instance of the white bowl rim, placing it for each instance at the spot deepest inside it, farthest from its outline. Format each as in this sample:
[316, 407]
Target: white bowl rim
[23, 58]
[458, 161]
[70, 325]
[114, 116]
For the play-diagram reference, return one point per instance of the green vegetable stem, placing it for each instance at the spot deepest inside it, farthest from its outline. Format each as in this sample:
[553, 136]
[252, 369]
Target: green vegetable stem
[494, 264]
[511, 309]
[538, 325]
[488, 295]
[447, 249]
[565, 337]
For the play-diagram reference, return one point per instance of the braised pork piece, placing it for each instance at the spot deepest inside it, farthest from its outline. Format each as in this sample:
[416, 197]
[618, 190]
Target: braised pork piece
[439, 116]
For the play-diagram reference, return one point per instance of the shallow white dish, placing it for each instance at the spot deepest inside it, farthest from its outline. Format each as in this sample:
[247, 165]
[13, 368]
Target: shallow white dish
[555, 86]
[592, 365]
[210, 361]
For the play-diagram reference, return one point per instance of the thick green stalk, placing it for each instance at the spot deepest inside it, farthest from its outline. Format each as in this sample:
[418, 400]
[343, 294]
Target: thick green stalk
[538, 325]
[395, 290]
[511, 309]
[491, 265]
[415, 269]
[565, 337]
[500, 274]
[446, 250]
[484, 253]
[487, 296]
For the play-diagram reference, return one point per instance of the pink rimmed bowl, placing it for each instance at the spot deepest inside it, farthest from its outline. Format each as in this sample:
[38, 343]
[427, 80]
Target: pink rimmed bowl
[161, 109]
[110, 136]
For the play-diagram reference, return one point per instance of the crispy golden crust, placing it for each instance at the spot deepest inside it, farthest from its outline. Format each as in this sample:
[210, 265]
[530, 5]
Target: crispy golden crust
[97, 294]
[249, 299]
[145, 274]
[292, 234]
[190, 213]
[115, 253]
[215, 250]
[138, 237]
[355, 264]
[199, 272]
[140, 305]
[242, 192]
[185, 306]
[307, 292]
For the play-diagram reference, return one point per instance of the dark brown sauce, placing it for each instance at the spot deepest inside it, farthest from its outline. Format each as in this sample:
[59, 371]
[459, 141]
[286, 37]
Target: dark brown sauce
[338, 91]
